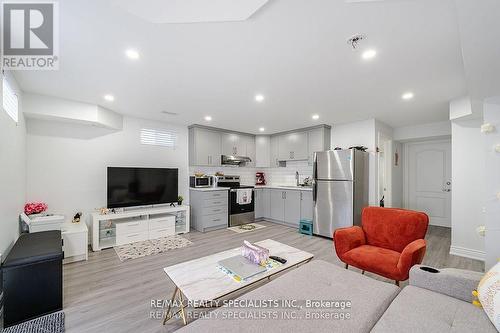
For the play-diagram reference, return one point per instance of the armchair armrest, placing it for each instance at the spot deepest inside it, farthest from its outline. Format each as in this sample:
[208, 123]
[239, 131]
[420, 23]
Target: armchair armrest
[412, 254]
[457, 283]
[346, 239]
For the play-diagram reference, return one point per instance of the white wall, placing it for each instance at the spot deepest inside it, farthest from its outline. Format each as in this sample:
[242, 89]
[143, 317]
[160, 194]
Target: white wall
[66, 163]
[362, 133]
[468, 183]
[13, 173]
[492, 185]
[423, 132]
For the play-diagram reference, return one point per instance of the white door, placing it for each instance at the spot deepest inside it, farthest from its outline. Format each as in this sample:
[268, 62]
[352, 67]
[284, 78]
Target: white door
[428, 181]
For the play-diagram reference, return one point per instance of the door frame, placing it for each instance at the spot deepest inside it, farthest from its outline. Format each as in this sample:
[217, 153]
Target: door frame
[406, 159]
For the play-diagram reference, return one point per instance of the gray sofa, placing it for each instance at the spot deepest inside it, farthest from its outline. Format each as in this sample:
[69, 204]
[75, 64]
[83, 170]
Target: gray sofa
[433, 302]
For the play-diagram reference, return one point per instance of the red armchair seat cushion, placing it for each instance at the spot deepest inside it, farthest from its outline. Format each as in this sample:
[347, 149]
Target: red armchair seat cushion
[380, 261]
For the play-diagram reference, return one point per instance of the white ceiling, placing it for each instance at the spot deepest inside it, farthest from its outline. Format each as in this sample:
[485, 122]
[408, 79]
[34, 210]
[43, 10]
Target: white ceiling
[191, 11]
[292, 51]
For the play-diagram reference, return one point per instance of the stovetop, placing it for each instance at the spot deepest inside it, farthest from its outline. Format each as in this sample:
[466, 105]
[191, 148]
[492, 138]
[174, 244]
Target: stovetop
[232, 182]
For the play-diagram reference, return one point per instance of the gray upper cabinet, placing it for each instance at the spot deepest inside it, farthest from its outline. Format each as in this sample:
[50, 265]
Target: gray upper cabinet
[250, 150]
[233, 144]
[275, 160]
[319, 140]
[263, 151]
[293, 146]
[204, 147]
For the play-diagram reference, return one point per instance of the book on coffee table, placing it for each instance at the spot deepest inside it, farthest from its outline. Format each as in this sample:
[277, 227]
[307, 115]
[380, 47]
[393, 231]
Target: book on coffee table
[241, 267]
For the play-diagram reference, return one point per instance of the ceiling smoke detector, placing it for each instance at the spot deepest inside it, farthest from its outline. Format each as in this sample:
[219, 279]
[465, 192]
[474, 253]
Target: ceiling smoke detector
[355, 40]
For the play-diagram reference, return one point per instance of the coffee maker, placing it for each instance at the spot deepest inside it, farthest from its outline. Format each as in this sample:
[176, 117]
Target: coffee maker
[260, 178]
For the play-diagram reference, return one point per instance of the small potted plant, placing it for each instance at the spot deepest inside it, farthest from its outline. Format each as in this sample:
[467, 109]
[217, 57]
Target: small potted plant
[180, 199]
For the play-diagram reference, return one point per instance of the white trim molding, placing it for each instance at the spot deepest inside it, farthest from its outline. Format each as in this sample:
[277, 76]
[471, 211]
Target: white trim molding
[468, 253]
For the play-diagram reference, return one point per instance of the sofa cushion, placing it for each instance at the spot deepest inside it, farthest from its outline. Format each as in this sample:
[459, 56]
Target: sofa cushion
[377, 259]
[421, 310]
[317, 280]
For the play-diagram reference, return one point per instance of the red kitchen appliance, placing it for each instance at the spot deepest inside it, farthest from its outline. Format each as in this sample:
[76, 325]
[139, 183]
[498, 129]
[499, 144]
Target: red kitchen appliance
[260, 178]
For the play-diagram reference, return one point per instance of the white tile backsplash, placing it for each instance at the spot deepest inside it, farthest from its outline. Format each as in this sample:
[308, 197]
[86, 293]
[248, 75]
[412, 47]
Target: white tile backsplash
[274, 176]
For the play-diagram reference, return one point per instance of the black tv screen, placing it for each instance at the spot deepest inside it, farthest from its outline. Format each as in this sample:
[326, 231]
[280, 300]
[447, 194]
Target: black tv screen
[129, 187]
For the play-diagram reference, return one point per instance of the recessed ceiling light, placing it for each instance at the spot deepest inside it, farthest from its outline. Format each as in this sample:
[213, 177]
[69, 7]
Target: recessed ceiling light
[109, 97]
[259, 98]
[262, 129]
[132, 54]
[407, 95]
[369, 54]
[208, 118]
[315, 117]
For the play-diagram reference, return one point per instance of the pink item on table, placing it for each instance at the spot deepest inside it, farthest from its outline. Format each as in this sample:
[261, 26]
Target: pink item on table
[35, 208]
[256, 254]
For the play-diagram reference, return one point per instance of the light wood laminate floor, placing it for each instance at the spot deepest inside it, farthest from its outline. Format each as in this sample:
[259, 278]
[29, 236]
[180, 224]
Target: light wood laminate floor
[106, 295]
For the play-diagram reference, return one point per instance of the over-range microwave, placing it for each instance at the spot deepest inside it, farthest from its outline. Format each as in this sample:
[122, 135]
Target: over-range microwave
[203, 181]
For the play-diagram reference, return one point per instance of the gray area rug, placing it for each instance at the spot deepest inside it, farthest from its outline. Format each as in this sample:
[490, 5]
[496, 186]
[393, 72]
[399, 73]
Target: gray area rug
[150, 247]
[52, 323]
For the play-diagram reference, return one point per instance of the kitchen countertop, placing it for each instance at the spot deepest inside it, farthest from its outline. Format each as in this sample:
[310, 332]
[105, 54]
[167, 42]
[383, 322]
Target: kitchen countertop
[279, 187]
[209, 189]
[286, 187]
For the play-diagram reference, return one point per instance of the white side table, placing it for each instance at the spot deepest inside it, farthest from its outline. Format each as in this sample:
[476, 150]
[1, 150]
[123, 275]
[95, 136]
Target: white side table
[75, 241]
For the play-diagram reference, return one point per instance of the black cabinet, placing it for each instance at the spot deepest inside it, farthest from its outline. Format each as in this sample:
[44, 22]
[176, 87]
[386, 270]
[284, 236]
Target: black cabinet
[32, 277]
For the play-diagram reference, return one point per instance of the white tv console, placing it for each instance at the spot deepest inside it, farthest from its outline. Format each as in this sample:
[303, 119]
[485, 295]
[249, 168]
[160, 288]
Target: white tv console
[137, 225]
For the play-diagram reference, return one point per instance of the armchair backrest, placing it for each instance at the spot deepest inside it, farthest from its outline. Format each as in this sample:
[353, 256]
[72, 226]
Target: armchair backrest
[393, 228]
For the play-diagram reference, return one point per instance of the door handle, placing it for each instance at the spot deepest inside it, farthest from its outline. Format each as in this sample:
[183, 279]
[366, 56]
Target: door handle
[315, 188]
[446, 190]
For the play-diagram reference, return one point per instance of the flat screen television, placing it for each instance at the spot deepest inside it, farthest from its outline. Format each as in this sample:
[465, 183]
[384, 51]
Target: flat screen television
[128, 187]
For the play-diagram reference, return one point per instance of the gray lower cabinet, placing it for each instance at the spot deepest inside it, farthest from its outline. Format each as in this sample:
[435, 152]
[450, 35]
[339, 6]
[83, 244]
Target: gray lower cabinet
[262, 203]
[209, 209]
[277, 211]
[285, 206]
[306, 205]
[292, 207]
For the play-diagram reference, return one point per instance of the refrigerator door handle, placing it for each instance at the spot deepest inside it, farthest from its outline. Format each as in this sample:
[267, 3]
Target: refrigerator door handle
[315, 189]
[315, 166]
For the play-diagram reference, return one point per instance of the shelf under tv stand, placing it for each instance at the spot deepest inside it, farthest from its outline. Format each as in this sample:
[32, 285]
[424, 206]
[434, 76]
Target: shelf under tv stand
[138, 224]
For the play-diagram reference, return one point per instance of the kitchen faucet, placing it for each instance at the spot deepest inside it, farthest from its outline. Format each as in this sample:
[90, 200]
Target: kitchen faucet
[297, 177]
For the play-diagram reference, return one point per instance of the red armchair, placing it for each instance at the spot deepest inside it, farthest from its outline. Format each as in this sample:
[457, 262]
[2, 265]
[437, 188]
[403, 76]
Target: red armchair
[388, 243]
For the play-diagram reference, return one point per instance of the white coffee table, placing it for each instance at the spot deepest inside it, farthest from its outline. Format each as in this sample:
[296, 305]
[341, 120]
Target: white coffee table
[200, 280]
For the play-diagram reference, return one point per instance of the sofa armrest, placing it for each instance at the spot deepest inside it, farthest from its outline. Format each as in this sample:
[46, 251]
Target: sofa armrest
[456, 283]
[346, 239]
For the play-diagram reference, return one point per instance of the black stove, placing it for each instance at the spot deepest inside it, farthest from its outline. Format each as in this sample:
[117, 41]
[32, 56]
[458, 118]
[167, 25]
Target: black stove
[239, 213]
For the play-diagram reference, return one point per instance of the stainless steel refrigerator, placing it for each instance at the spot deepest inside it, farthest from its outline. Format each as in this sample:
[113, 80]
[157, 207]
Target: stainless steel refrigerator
[340, 189]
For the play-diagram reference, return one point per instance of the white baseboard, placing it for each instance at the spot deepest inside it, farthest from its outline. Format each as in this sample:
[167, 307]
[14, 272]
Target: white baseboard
[468, 253]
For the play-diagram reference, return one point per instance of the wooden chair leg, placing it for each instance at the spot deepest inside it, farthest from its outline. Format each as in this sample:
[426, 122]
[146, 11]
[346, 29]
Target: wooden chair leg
[346, 266]
[397, 283]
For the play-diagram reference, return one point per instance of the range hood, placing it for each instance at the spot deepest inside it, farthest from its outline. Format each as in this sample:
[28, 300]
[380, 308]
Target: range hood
[234, 160]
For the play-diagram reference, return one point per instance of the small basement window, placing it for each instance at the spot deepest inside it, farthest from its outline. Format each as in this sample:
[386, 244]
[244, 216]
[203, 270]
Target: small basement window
[10, 100]
[157, 137]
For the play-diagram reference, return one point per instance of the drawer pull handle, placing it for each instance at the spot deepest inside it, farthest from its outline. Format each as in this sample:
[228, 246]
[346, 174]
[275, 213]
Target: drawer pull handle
[133, 235]
[132, 224]
[217, 202]
[217, 210]
[216, 220]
